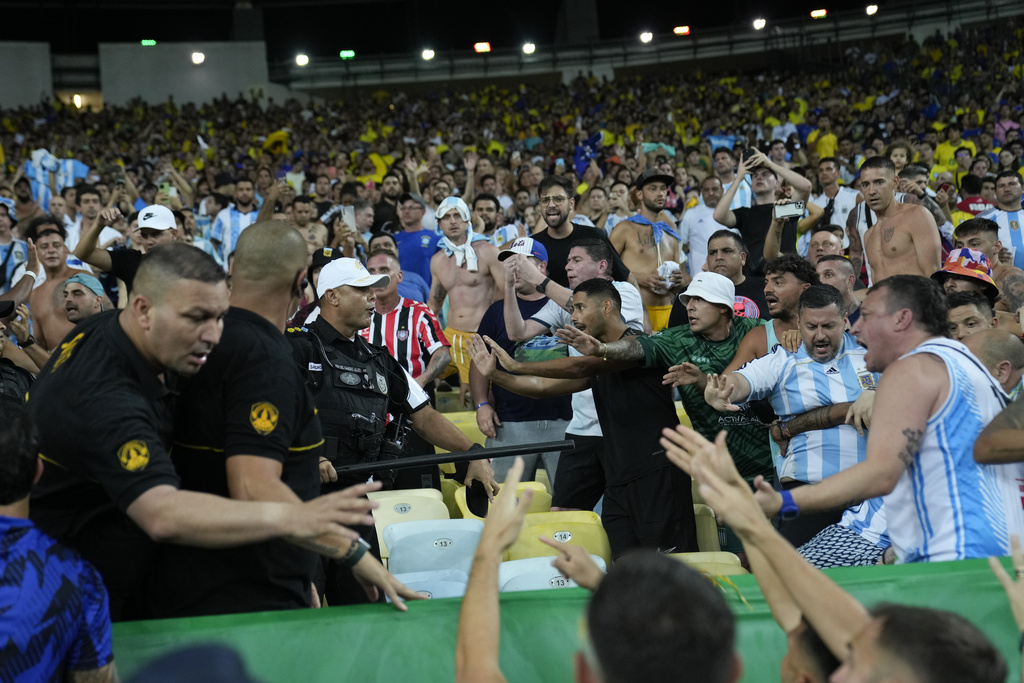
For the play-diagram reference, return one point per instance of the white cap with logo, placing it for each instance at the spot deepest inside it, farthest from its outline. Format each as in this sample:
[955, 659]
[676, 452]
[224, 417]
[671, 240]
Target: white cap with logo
[712, 287]
[348, 271]
[157, 217]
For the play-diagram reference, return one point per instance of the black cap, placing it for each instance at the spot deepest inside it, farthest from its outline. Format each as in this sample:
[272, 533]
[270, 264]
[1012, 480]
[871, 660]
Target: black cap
[321, 257]
[6, 308]
[653, 175]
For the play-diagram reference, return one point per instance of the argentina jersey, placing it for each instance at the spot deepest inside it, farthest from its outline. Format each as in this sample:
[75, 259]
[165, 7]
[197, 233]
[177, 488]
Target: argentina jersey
[946, 506]
[868, 520]
[794, 383]
[744, 197]
[1009, 223]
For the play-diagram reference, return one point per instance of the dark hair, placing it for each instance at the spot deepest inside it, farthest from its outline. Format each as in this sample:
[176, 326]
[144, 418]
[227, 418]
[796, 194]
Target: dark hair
[244, 179]
[1008, 174]
[383, 252]
[556, 181]
[954, 125]
[829, 258]
[597, 249]
[376, 235]
[938, 646]
[302, 199]
[83, 190]
[43, 225]
[710, 177]
[913, 171]
[922, 296]
[817, 651]
[776, 142]
[800, 267]
[393, 174]
[70, 191]
[720, 150]
[719, 234]
[599, 288]
[832, 160]
[971, 298]
[970, 185]
[927, 142]
[601, 188]
[821, 296]
[351, 188]
[19, 453]
[486, 197]
[880, 162]
[322, 175]
[831, 227]
[974, 226]
[653, 617]
[221, 199]
[487, 176]
[515, 194]
[359, 204]
[619, 182]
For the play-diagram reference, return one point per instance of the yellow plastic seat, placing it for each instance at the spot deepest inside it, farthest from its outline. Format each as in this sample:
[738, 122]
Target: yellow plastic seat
[541, 499]
[448, 489]
[381, 495]
[543, 478]
[695, 489]
[405, 508]
[582, 528]
[707, 529]
[705, 558]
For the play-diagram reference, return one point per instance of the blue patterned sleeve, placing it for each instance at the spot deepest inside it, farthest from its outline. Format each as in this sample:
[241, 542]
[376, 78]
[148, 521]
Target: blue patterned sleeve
[93, 649]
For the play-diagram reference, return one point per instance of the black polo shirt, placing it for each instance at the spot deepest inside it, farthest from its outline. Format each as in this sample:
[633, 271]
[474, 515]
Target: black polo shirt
[753, 223]
[249, 399]
[558, 252]
[104, 420]
[124, 264]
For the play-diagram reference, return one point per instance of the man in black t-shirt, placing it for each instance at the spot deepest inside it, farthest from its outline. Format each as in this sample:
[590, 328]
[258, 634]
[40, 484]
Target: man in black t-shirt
[156, 227]
[754, 222]
[556, 206]
[645, 503]
[246, 428]
[109, 488]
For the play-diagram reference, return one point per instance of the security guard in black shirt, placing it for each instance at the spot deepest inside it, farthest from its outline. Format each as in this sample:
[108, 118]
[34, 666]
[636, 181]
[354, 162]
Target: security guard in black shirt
[245, 427]
[357, 386]
[103, 411]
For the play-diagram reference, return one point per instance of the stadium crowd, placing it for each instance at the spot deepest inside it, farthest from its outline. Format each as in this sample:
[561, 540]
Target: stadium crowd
[826, 267]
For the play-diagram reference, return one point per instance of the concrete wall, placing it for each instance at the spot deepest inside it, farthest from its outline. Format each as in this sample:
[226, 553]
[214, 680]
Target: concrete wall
[27, 78]
[129, 70]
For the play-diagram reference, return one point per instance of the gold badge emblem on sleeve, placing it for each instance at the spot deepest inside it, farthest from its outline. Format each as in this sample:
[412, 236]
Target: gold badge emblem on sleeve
[134, 455]
[263, 417]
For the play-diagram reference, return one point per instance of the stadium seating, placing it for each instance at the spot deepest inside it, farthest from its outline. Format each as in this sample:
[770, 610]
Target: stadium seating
[541, 499]
[431, 545]
[707, 529]
[535, 573]
[405, 506]
[441, 583]
[582, 528]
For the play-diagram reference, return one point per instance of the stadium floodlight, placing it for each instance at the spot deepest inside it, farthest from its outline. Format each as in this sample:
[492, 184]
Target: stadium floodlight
[871, 9]
[681, 30]
[646, 37]
[77, 99]
[481, 47]
[759, 24]
[819, 13]
[302, 60]
[198, 58]
[529, 48]
[148, 42]
[428, 54]
[347, 54]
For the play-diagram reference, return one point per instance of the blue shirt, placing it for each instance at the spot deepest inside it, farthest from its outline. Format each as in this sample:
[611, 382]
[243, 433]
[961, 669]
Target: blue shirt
[413, 287]
[19, 256]
[55, 615]
[415, 250]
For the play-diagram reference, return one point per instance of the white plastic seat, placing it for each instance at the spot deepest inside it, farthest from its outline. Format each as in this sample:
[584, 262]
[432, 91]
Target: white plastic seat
[404, 506]
[443, 583]
[431, 545]
[534, 574]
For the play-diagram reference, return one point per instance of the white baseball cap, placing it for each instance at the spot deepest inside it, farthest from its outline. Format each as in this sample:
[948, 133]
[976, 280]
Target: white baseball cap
[348, 271]
[157, 217]
[712, 287]
[450, 203]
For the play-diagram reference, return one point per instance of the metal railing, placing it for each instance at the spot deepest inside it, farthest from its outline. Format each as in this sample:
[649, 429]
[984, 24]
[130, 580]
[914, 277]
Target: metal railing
[798, 33]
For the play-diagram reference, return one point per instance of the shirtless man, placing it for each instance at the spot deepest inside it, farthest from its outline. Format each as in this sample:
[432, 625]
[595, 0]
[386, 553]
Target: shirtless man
[644, 243]
[47, 301]
[304, 220]
[466, 270]
[904, 240]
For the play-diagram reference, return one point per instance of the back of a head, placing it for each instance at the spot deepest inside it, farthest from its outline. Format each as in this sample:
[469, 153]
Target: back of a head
[922, 296]
[167, 264]
[800, 267]
[655, 619]
[970, 185]
[270, 253]
[996, 345]
[938, 646]
[19, 448]
[816, 654]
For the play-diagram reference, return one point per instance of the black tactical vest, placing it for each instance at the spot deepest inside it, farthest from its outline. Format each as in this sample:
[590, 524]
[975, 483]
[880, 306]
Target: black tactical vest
[14, 384]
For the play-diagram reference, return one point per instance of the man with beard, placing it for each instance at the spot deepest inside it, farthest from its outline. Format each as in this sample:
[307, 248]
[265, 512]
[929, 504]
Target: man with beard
[487, 212]
[821, 443]
[46, 302]
[230, 222]
[557, 205]
[25, 208]
[618, 206]
[387, 209]
[645, 244]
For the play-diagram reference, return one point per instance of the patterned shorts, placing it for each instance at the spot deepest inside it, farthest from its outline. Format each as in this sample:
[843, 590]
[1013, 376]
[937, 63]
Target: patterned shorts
[840, 546]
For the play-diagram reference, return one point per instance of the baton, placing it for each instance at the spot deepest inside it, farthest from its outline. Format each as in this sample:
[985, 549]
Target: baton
[457, 456]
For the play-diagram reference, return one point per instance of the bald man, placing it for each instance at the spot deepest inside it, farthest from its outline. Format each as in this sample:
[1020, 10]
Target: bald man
[246, 428]
[1002, 354]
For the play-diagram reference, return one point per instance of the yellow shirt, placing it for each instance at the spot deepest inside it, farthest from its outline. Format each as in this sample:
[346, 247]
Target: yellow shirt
[945, 153]
[827, 144]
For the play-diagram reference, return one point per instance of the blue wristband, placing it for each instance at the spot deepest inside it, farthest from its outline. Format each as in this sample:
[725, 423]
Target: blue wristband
[789, 509]
[479, 405]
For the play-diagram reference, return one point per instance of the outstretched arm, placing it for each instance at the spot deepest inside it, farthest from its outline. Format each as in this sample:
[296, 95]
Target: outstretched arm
[1003, 439]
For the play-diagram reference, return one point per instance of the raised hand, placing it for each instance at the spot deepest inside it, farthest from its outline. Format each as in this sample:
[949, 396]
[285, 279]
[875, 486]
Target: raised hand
[579, 340]
[859, 414]
[574, 562]
[684, 375]
[483, 360]
[718, 392]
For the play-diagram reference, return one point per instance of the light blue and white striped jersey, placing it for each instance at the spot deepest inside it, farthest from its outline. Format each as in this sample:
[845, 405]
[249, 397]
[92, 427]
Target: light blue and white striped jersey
[744, 195]
[503, 235]
[794, 383]
[228, 225]
[945, 505]
[1010, 234]
[868, 519]
[13, 255]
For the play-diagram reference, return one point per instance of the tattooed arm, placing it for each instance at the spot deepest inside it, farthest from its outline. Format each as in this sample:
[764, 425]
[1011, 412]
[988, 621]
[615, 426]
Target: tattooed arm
[1003, 439]
[897, 430]
[1011, 289]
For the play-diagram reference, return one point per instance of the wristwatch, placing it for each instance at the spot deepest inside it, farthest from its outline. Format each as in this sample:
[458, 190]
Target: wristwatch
[789, 510]
[355, 553]
[28, 342]
[543, 285]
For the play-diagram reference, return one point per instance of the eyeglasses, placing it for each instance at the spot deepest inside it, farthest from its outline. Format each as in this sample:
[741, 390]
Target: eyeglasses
[557, 200]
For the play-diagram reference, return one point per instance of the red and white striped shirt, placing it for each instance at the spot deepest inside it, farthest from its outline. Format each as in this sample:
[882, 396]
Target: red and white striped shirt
[410, 331]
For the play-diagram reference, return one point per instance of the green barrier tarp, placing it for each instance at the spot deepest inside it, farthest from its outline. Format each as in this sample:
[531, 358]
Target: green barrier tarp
[538, 630]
